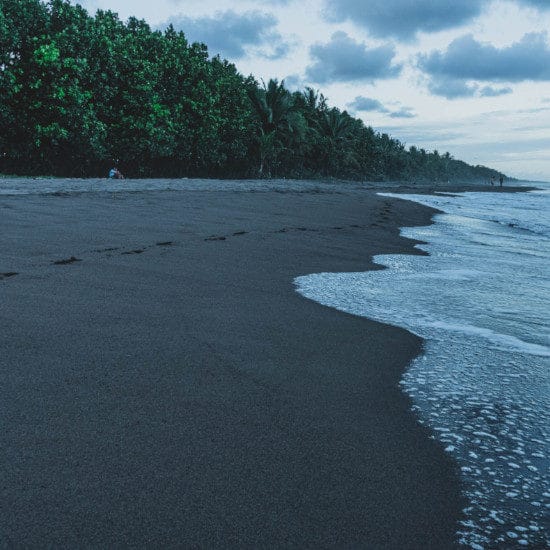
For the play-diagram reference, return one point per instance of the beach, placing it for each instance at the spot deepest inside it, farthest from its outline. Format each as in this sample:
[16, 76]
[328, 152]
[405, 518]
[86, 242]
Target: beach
[165, 385]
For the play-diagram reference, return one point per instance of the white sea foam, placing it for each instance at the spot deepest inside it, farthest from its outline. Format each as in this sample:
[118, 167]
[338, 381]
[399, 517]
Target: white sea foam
[481, 300]
[503, 341]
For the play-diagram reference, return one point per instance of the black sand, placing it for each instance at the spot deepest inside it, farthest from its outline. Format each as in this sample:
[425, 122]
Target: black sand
[164, 385]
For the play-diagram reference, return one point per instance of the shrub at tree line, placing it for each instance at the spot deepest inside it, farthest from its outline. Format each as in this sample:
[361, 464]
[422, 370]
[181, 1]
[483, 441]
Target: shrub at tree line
[78, 93]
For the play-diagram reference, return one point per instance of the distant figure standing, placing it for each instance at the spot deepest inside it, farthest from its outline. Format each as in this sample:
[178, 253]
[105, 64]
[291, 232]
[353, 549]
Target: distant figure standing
[492, 180]
[115, 173]
[501, 180]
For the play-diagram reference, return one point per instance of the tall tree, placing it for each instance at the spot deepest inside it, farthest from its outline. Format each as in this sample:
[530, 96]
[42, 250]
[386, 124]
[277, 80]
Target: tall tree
[335, 132]
[278, 120]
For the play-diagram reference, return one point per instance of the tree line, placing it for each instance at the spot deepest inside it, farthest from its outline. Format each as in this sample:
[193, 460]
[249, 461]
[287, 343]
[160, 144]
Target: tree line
[80, 92]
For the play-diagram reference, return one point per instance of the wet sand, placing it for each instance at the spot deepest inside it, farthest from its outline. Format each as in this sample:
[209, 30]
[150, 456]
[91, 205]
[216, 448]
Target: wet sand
[164, 385]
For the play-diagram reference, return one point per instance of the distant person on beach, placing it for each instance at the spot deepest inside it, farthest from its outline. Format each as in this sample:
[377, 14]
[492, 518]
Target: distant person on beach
[115, 173]
[501, 180]
[492, 180]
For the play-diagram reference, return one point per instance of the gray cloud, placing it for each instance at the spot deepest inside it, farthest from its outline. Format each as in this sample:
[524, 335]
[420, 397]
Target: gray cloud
[344, 59]
[294, 82]
[402, 19]
[467, 59]
[540, 4]
[270, 2]
[490, 91]
[451, 88]
[232, 34]
[361, 103]
[457, 71]
[404, 112]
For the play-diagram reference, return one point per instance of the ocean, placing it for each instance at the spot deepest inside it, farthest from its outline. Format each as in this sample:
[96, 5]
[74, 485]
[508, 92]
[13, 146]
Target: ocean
[481, 302]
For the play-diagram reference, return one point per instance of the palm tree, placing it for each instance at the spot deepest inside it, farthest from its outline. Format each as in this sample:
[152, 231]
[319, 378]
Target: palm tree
[335, 130]
[311, 102]
[276, 112]
[335, 125]
[273, 104]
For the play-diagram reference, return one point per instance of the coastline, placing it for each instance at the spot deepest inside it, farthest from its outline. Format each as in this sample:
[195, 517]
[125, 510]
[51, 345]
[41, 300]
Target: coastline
[179, 391]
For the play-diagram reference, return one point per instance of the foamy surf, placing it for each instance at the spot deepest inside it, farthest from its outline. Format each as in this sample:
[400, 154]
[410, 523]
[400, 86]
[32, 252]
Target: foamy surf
[480, 299]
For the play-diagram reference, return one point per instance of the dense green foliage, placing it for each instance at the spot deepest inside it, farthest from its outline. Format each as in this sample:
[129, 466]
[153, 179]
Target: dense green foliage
[79, 93]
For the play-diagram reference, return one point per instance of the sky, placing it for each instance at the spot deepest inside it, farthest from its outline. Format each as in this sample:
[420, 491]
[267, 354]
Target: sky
[471, 77]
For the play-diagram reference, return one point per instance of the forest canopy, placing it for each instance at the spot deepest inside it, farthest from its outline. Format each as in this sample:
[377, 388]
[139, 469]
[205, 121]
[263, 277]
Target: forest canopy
[79, 93]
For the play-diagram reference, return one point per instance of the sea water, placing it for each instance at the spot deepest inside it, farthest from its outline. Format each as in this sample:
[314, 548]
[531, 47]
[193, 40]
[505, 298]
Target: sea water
[481, 301]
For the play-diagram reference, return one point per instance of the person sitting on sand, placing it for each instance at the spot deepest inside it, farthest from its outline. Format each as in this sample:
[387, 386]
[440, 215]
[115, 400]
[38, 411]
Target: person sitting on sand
[115, 173]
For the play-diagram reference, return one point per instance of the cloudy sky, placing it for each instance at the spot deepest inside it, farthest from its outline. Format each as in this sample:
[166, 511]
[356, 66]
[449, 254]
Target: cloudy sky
[471, 77]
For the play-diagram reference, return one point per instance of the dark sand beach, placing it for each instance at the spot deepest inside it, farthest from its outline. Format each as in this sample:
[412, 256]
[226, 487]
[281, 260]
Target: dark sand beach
[164, 385]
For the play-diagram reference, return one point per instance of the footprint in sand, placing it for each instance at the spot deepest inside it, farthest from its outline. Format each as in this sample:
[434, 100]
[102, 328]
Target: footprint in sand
[287, 229]
[67, 261]
[136, 251]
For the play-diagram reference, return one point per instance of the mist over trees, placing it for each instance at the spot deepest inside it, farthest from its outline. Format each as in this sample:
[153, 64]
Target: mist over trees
[79, 93]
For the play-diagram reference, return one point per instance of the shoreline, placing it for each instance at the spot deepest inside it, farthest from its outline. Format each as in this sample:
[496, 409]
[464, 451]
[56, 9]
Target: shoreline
[191, 395]
[282, 184]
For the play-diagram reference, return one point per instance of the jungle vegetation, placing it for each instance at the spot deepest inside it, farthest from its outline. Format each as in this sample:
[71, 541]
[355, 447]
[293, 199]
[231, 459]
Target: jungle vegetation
[80, 92]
